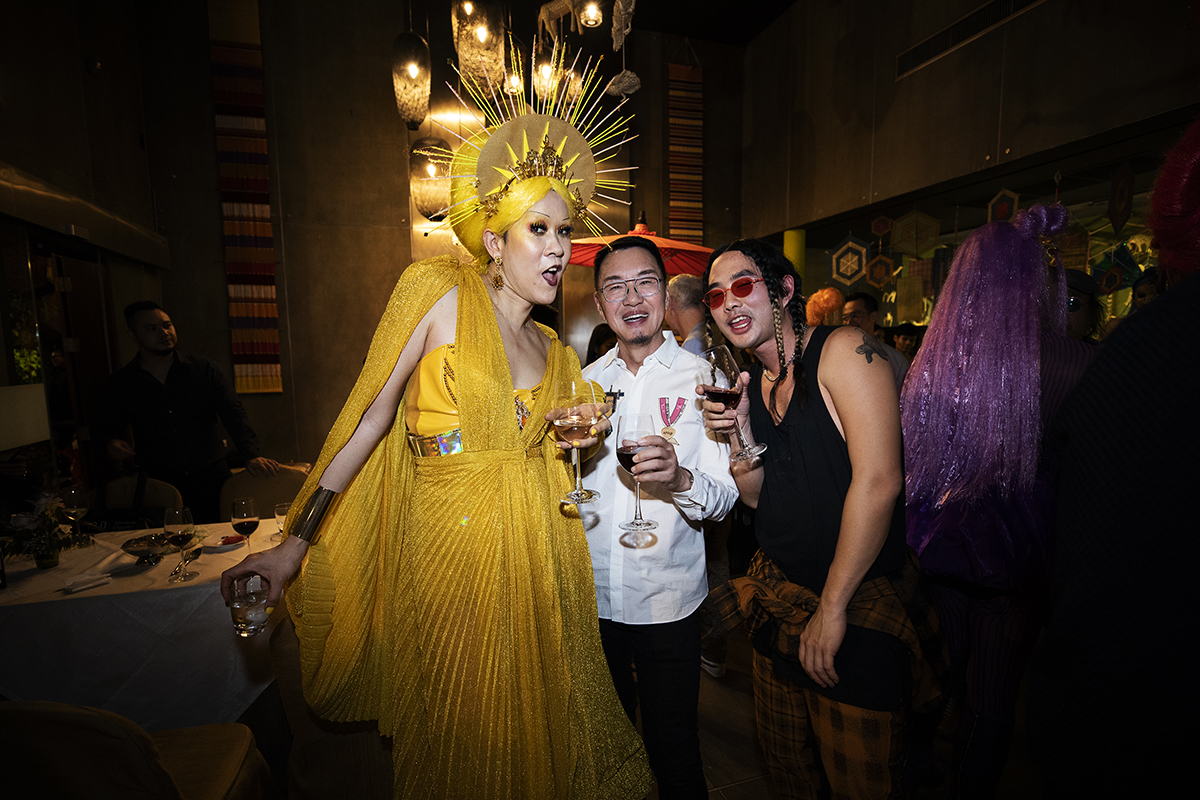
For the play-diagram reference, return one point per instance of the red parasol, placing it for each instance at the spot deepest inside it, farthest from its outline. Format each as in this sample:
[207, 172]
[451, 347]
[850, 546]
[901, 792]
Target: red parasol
[680, 258]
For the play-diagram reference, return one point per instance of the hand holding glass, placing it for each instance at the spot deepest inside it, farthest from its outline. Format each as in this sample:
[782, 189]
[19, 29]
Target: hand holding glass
[631, 428]
[725, 388]
[582, 407]
[248, 605]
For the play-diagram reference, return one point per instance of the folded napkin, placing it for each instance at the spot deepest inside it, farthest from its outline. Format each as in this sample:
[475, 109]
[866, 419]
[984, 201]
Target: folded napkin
[87, 580]
[114, 562]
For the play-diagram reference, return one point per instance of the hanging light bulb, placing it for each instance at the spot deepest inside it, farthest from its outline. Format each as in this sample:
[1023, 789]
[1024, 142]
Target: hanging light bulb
[591, 16]
[478, 30]
[410, 78]
[545, 80]
[429, 180]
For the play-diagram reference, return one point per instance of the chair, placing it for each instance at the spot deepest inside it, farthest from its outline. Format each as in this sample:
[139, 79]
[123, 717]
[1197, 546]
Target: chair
[159, 494]
[61, 750]
[282, 487]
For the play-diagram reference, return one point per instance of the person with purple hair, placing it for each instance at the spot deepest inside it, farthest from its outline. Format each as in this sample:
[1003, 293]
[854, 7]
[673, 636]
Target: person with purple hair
[994, 366]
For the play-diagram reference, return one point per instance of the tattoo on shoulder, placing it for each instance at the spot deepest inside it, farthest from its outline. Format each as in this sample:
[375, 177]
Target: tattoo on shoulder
[868, 348]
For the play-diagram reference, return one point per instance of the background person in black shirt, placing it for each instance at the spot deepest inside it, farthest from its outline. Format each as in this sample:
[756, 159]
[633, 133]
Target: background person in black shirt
[172, 401]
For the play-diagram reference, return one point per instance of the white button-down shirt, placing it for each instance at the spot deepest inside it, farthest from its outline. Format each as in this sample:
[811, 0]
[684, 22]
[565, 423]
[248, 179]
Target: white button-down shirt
[665, 582]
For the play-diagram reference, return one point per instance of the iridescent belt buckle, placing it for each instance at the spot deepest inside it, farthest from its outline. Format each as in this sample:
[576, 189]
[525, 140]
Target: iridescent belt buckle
[443, 444]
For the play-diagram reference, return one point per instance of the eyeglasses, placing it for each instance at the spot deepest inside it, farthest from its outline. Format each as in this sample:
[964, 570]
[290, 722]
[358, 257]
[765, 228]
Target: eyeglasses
[1074, 304]
[742, 287]
[646, 286]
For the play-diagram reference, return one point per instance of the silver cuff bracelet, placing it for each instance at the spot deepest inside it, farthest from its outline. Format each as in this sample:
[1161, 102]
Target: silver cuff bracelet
[314, 511]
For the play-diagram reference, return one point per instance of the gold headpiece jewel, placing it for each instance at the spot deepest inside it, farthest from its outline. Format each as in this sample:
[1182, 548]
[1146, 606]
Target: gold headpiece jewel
[563, 134]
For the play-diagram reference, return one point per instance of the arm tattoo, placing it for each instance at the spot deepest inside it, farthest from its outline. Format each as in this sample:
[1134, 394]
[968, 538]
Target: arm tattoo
[868, 348]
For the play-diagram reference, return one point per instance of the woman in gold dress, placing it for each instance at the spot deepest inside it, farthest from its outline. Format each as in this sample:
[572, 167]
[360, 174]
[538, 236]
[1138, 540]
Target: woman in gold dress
[437, 584]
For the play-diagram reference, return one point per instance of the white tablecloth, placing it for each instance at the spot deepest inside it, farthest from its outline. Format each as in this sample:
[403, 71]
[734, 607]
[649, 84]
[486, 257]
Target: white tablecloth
[164, 655]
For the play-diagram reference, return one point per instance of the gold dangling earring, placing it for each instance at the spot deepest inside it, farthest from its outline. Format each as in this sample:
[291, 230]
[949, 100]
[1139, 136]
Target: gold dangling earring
[498, 278]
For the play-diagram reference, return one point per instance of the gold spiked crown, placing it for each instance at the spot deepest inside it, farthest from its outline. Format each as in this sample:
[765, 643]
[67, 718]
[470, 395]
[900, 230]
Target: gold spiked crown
[568, 128]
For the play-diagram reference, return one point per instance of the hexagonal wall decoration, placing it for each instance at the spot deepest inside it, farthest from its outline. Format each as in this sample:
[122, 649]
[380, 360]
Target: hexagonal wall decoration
[850, 260]
[1003, 206]
[881, 227]
[879, 271]
[916, 234]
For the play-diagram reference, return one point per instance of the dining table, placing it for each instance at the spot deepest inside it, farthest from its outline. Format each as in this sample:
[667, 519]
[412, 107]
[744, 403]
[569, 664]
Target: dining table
[163, 654]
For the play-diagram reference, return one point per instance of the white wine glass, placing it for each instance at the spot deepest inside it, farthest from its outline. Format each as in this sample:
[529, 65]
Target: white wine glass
[582, 407]
[630, 429]
[724, 387]
[281, 512]
[75, 505]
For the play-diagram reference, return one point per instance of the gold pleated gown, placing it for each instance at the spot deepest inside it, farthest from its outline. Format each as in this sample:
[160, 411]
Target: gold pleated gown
[451, 598]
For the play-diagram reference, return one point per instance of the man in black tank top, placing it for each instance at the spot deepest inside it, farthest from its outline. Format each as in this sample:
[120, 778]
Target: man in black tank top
[840, 624]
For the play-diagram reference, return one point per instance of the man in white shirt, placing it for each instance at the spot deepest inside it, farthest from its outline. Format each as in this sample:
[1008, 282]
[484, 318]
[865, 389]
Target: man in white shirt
[648, 599]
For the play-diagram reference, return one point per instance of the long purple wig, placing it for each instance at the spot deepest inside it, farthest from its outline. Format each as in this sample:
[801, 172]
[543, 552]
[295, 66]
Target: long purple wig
[970, 407]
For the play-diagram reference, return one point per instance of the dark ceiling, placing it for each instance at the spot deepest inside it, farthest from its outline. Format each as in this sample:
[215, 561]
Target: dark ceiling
[712, 22]
[735, 24]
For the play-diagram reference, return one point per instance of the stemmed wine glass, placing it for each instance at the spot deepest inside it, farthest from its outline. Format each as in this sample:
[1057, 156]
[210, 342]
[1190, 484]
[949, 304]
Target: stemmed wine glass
[75, 505]
[177, 524]
[582, 407]
[726, 388]
[281, 512]
[631, 428]
[244, 517]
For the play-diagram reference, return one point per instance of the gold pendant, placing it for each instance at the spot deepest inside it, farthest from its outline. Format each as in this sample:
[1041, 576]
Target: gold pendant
[668, 433]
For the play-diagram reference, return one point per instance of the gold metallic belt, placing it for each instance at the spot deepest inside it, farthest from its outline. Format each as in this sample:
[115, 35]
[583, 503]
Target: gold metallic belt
[442, 444]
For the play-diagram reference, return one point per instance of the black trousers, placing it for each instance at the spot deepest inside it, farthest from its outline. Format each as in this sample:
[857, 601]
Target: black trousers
[667, 688]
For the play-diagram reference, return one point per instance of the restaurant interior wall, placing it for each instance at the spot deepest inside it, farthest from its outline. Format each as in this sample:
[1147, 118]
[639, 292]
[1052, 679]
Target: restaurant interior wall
[112, 101]
[71, 101]
[340, 185]
[828, 128]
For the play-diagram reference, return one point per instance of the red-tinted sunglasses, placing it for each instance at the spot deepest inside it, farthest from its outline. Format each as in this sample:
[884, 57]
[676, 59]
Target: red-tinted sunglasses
[742, 287]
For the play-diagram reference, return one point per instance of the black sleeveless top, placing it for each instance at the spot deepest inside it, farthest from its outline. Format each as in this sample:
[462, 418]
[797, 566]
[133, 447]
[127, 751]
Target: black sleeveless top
[806, 474]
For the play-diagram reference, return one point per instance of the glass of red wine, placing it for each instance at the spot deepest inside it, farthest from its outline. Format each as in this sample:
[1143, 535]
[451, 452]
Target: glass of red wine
[630, 429]
[724, 387]
[181, 533]
[244, 517]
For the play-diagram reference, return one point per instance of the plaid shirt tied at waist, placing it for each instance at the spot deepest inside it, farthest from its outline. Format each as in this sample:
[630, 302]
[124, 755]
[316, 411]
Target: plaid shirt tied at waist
[897, 604]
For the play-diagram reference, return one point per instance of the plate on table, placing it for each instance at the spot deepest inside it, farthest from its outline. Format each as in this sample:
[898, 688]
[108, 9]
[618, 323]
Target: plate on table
[152, 544]
[225, 543]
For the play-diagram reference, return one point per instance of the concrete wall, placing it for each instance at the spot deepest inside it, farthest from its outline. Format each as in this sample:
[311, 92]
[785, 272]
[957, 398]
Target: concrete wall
[340, 185]
[828, 128]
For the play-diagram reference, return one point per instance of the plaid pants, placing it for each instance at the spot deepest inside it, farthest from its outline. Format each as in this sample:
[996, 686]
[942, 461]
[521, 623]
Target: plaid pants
[818, 748]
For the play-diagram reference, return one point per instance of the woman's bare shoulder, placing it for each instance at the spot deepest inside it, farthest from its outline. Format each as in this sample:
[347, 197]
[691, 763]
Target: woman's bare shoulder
[440, 322]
